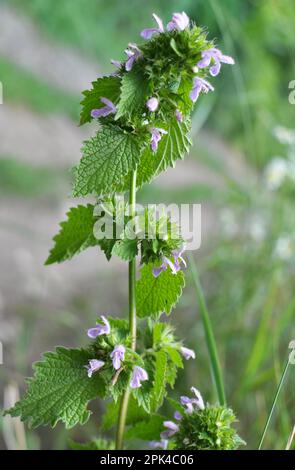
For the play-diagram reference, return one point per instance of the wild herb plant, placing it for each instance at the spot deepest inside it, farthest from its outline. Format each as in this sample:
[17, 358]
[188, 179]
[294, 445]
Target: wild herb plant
[143, 114]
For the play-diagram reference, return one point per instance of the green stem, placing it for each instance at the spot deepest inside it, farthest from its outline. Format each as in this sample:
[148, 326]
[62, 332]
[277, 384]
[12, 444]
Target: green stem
[209, 335]
[132, 319]
[132, 268]
[274, 403]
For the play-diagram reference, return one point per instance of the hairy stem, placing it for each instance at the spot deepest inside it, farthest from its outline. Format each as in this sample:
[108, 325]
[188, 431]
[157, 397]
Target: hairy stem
[209, 335]
[132, 319]
[283, 376]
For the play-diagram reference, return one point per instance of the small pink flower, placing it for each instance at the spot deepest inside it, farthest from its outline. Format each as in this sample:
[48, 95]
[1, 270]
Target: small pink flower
[180, 21]
[99, 329]
[217, 57]
[179, 115]
[174, 266]
[117, 355]
[177, 416]
[94, 366]
[163, 444]
[172, 429]
[152, 104]
[157, 134]
[190, 403]
[199, 85]
[133, 53]
[187, 353]
[138, 375]
[109, 108]
[147, 33]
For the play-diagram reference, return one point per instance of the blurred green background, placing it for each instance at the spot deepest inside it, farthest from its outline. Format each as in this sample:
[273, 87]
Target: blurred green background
[241, 168]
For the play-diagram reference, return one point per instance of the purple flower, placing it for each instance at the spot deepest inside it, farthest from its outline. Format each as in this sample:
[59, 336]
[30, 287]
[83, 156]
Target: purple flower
[117, 63]
[99, 329]
[198, 400]
[166, 262]
[163, 444]
[157, 134]
[117, 355]
[180, 21]
[109, 108]
[186, 401]
[138, 375]
[177, 416]
[172, 429]
[190, 403]
[177, 255]
[187, 353]
[175, 266]
[133, 53]
[94, 366]
[179, 115]
[147, 33]
[199, 84]
[217, 57]
[152, 104]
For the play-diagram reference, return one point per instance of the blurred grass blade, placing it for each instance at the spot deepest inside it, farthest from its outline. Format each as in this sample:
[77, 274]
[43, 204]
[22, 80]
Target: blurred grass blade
[281, 383]
[262, 342]
[230, 42]
[291, 439]
[209, 335]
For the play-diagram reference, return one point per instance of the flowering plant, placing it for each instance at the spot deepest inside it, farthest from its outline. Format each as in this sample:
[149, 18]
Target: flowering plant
[143, 114]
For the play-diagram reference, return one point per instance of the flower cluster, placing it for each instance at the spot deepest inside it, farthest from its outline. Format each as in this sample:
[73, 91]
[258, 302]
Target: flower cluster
[117, 356]
[180, 39]
[199, 427]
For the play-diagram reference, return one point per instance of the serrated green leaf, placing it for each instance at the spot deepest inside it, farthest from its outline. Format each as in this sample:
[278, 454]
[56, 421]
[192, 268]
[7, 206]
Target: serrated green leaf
[107, 158]
[160, 379]
[105, 87]
[171, 374]
[134, 92]
[76, 234]
[174, 355]
[126, 249]
[147, 430]
[183, 92]
[158, 329]
[107, 246]
[160, 294]
[173, 146]
[60, 390]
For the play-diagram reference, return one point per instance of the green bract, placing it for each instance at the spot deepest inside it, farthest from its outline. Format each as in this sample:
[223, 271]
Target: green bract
[208, 429]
